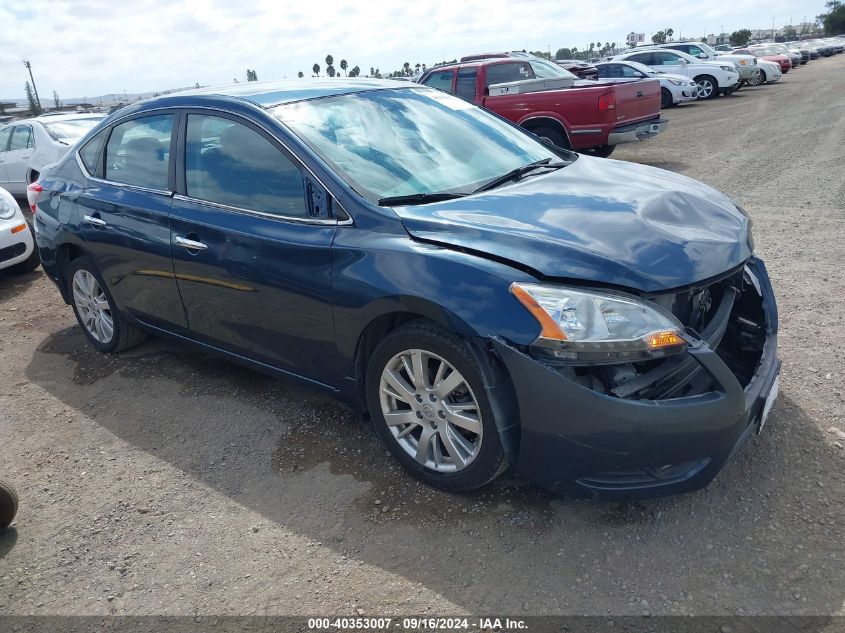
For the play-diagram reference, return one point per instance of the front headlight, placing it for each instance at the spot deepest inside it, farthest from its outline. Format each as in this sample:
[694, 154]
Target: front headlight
[677, 82]
[8, 207]
[728, 69]
[594, 327]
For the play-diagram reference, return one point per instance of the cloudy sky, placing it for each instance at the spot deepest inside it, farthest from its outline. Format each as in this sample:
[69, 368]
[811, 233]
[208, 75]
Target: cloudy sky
[91, 47]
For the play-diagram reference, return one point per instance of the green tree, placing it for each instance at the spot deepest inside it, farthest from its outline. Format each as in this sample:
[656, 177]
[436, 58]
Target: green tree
[543, 54]
[251, 75]
[316, 69]
[834, 20]
[740, 37]
[330, 71]
[56, 100]
[662, 36]
[355, 72]
[34, 110]
[300, 74]
[343, 66]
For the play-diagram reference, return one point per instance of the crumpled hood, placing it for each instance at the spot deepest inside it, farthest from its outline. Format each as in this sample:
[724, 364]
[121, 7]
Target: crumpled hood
[597, 220]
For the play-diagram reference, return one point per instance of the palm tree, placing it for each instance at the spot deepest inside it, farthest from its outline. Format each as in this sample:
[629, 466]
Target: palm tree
[316, 69]
[344, 66]
[329, 60]
[355, 72]
[300, 74]
[406, 69]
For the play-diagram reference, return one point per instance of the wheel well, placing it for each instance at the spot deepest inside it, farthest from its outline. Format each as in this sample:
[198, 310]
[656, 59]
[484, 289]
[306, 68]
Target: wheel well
[493, 372]
[32, 176]
[533, 124]
[64, 256]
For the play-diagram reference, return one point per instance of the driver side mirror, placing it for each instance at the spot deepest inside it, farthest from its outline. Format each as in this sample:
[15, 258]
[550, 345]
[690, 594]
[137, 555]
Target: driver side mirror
[702, 56]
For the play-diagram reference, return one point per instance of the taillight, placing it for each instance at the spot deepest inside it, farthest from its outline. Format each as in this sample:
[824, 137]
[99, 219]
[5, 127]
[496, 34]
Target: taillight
[32, 192]
[607, 101]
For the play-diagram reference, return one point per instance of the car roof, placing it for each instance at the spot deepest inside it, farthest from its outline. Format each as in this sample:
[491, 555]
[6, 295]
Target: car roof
[272, 93]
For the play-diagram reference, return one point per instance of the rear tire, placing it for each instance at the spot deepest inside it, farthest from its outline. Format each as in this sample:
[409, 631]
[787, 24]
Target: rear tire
[666, 99]
[447, 438]
[602, 151]
[552, 136]
[95, 310]
[708, 87]
[8, 504]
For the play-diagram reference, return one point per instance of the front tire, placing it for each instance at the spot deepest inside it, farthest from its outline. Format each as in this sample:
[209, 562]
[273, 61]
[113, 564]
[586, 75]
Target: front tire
[29, 264]
[95, 310]
[428, 404]
[666, 99]
[708, 87]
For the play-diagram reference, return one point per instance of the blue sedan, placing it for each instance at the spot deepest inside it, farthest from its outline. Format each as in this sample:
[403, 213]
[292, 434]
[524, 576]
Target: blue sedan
[487, 300]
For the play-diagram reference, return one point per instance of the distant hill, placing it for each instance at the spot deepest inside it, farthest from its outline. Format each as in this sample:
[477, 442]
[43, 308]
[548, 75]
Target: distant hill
[107, 99]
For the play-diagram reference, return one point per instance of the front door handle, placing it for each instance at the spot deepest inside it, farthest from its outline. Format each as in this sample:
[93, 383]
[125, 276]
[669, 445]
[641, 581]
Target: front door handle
[191, 245]
[90, 219]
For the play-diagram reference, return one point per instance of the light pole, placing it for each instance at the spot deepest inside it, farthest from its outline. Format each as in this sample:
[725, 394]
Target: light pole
[34, 89]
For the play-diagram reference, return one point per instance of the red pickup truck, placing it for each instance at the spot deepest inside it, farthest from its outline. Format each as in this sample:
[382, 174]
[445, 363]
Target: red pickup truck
[590, 117]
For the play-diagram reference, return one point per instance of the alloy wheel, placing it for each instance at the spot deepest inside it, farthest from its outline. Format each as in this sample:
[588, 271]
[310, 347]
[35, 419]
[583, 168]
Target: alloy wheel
[430, 410]
[93, 306]
[705, 89]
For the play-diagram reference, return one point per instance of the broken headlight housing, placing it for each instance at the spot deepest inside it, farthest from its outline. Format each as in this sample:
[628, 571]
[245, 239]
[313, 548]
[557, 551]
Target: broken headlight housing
[591, 327]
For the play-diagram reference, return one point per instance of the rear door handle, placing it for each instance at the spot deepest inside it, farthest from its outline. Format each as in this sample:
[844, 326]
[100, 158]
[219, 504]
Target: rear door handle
[90, 219]
[191, 245]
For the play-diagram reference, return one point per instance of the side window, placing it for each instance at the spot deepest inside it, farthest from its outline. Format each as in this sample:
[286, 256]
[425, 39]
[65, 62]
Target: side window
[442, 80]
[229, 163]
[694, 51]
[5, 135]
[644, 58]
[627, 71]
[609, 71]
[667, 59]
[138, 152]
[89, 154]
[507, 72]
[21, 138]
[465, 86]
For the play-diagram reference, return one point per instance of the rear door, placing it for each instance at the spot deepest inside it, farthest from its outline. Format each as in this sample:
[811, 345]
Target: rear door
[252, 246]
[124, 216]
[16, 159]
[669, 62]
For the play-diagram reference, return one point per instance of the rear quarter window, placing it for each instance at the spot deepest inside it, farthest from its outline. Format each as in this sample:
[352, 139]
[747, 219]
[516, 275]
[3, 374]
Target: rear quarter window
[507, 72]
[89, 154]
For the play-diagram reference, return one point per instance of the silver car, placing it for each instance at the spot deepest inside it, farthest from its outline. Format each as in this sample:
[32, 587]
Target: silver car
[28, 145]
[674, 89]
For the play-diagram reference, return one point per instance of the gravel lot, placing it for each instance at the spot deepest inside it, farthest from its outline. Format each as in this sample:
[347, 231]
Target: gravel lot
[165, 481]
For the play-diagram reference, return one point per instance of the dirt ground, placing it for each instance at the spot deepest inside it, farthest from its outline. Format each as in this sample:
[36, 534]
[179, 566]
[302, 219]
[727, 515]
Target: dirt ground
[165, 481]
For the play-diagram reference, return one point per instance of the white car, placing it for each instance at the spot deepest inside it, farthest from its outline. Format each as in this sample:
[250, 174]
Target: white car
[674, 89]
[745, 64]
[770, 72]
[28, 145]
[17, 248]
[713, 78]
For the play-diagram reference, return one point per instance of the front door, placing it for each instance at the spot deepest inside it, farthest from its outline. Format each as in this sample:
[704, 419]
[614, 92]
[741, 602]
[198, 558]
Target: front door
[252, 261]
[124, 216]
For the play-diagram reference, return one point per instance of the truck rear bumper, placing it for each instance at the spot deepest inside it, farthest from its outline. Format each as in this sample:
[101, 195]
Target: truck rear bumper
[636, 131]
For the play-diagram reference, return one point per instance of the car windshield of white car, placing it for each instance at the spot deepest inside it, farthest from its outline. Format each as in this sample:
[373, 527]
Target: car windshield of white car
[71, 130]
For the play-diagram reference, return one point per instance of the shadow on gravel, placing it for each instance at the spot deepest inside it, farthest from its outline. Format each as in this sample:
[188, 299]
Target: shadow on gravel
[12, 285]
[8, 538]
[765, 537]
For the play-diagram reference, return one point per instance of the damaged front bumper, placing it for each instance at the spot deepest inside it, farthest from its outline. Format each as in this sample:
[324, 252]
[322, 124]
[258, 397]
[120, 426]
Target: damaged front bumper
[667, 430]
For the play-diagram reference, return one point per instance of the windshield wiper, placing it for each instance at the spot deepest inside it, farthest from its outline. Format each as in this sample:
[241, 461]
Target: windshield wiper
[519, 172]
[419, 198]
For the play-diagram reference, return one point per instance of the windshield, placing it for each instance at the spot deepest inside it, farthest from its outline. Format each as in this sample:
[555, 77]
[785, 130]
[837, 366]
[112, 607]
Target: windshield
[406, 141]
[706, 48]
[71, 130]
[546, 70]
